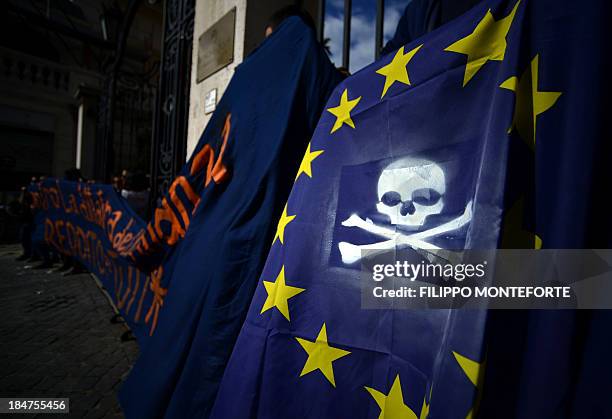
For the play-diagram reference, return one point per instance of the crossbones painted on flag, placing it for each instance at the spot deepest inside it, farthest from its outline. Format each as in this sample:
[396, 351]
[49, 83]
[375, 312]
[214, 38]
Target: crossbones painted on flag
[409, 191]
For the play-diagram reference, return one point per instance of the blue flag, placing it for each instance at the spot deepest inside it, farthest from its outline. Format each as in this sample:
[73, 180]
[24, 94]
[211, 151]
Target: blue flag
[93, 224]
[546, 363]
[214, 239]
[468, 137]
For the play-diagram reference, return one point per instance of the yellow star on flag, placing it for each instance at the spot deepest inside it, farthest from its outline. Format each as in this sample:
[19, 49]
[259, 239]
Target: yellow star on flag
[306, 165]
[530, 102]
[475, 373]
[396, 70]
[486, 43]
[392, 405]
[321, 355]
[282, 224]
[279, 293]
[342, 112]
[425, 408]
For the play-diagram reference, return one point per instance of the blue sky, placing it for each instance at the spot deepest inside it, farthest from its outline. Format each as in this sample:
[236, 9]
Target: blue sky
[363, 28]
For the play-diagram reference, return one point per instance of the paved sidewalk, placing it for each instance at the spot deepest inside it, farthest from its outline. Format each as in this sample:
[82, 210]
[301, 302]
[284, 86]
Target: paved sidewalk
[56, 339]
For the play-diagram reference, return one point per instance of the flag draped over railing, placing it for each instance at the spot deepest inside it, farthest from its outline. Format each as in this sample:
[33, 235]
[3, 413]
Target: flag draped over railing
[470, 137]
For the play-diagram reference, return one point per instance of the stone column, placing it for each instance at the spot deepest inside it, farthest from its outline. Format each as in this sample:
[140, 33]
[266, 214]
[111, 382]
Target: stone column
[87, 99]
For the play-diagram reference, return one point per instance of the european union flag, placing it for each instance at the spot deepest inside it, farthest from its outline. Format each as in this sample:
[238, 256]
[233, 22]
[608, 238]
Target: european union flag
[546, 363]
[438, 143]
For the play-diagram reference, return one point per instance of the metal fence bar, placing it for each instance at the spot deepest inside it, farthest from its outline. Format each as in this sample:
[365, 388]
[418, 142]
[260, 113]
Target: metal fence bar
[321, 21]
[380, 18]
[346, 45]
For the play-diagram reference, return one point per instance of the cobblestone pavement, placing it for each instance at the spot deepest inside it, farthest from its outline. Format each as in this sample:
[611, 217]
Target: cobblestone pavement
[56, 339]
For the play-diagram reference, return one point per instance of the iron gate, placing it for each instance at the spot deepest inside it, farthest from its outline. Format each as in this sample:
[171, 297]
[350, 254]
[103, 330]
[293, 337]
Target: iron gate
[172, 114]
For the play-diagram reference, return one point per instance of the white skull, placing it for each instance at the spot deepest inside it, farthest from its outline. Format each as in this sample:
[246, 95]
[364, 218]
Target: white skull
[410, 190]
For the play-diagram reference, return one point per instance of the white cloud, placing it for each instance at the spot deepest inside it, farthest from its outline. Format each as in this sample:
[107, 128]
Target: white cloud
[333, 28]
[363, 39]
[392, 17]
[363, 32]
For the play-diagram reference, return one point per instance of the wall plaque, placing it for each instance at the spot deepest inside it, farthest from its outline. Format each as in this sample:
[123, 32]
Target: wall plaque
[210, 101]
[216, 46]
